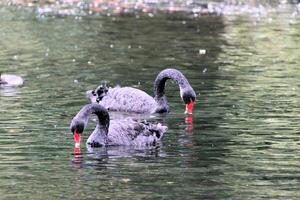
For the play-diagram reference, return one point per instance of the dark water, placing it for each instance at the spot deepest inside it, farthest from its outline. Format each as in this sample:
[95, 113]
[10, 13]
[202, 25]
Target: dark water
[241, 143]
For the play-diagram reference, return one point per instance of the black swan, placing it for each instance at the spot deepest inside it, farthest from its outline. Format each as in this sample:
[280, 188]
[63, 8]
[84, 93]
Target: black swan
[128, 99]
[10, 80]
[115, 132]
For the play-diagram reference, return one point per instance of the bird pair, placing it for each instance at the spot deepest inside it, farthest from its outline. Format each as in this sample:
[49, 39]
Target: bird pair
[128, 131]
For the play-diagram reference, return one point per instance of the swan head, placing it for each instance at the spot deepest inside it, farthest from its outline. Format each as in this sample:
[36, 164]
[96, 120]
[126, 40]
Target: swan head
[189, 98]
[77, 127]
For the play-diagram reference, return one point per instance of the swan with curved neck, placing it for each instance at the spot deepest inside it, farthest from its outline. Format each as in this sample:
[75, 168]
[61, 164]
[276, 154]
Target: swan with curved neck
[128, 99]
[115, 132]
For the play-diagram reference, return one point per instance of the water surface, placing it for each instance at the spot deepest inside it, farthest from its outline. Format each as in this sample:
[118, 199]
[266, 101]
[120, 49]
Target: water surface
[242, 141]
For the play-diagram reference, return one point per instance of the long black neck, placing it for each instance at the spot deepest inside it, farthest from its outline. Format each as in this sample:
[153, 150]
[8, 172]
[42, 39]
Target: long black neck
[163, 76]
[100, 111]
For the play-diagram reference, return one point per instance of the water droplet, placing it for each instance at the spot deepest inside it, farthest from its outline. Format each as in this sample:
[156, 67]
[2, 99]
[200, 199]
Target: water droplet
[73, 60]
[202, 51]
[75, 81]
[126, 180]
[150, 15]
[283, 1]
[111, 46]
[89, 62]
[15, 57]
[294, 14]
[270, 19]
[204, 70]
[129, 46]
[183, 22]
[291, 22]
[77, 145]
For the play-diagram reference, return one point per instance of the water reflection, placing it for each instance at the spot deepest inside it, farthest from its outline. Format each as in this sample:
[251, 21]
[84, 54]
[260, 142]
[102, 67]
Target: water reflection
[187, 139]
[77, 157]
[99, 156]
[241, 141]
[8, 91]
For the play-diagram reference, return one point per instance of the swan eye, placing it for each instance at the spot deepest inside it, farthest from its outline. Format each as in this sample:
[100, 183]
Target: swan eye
[98, 100]
[94, 93]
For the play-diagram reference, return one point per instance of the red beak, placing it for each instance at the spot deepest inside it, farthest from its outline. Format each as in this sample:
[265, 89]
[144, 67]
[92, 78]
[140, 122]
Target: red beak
[76, 137]
[77, 151]
[189, 107]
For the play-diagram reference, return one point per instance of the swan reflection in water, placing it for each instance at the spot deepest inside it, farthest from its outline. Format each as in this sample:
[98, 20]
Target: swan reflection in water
[99, 156]
[189, 131]
[8, 91]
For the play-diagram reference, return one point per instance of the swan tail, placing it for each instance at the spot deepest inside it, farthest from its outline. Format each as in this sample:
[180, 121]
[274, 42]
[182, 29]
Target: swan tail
[157, 130]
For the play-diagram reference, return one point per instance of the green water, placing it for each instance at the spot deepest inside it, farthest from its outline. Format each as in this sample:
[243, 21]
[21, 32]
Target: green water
[243, 142]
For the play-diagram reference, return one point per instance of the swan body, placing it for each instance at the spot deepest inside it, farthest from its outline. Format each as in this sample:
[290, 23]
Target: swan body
[128, 132]
[128, 99]
[10, 80]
